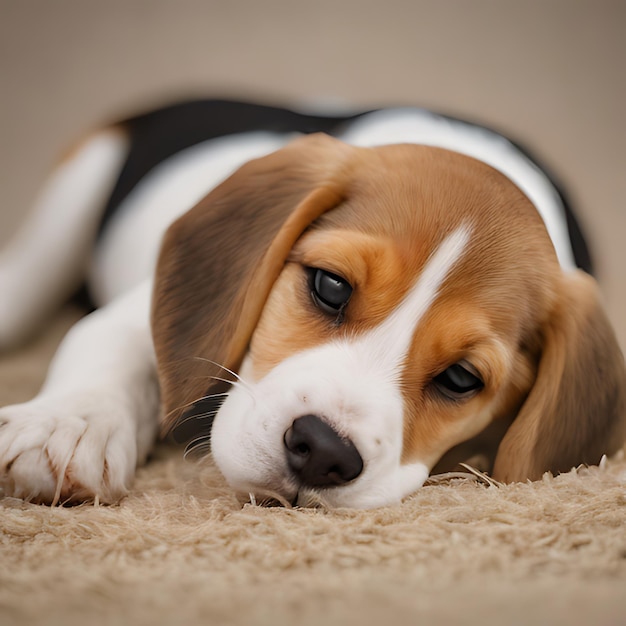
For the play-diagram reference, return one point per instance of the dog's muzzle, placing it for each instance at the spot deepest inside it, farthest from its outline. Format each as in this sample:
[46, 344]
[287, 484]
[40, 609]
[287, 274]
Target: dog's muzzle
[318, 456]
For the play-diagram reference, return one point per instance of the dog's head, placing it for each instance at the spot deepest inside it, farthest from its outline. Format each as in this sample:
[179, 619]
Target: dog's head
[373, 309]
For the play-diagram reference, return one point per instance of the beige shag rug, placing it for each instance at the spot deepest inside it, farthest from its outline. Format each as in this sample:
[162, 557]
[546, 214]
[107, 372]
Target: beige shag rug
[181, 549]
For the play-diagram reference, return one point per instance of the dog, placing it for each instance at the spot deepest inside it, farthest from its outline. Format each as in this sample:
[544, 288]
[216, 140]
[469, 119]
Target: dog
[337, 305]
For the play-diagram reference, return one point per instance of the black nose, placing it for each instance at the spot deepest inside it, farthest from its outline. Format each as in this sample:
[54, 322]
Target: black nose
[318, 456]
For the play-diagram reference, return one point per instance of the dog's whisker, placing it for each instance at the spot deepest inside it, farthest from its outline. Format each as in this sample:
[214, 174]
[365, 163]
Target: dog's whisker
[239, 384]
[226, 369]
[238, 379]
[210, 396]
[203, 398]
[234, 374]
[235, 383]
[194, 416]
[203, 413]
[200, 445]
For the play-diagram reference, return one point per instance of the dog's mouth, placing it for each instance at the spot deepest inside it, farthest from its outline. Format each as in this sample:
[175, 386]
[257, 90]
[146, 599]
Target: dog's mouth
[270, 499]
[316, 457]
[303, 498]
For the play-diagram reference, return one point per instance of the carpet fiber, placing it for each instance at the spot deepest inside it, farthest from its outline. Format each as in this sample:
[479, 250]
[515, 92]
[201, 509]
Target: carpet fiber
[181, 548]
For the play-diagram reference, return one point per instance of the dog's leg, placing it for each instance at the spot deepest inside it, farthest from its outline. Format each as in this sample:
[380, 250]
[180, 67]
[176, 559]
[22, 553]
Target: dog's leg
[48, 257]
[96, 416]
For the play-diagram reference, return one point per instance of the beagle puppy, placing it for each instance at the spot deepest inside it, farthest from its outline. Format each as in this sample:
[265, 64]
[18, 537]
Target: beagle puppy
[335, 305]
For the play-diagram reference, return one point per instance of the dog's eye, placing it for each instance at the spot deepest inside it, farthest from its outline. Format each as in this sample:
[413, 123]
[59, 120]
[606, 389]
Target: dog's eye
[329, 291]
[457, 381]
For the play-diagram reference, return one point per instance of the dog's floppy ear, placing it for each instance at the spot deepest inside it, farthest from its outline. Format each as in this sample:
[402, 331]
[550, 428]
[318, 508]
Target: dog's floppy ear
[576, 409]
[218, 263]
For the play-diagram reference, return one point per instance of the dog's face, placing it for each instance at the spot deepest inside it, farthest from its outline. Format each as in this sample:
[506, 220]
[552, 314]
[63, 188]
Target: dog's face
[404, 300]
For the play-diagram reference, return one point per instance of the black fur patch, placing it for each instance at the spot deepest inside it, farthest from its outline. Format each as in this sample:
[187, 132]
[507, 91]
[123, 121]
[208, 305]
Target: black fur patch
[161, 133]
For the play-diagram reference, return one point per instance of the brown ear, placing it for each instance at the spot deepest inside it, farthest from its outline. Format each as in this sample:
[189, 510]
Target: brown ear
[218, 263]
[576, 410]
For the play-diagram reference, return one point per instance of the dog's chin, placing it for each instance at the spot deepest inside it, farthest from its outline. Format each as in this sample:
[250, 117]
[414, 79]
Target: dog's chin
[359, 494]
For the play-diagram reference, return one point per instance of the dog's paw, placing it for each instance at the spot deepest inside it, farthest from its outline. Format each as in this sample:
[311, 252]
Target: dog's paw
[68, 449]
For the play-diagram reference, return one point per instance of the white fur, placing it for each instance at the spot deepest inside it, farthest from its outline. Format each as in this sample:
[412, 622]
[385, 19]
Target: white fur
[424, 127]
[127, 253]
[95, 418]
[354, 385]
[97, 413]
[129, 248]
[46, 260]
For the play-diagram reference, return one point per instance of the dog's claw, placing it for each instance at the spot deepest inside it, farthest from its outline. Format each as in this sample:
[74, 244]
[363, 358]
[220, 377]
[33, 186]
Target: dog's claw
[54, 451]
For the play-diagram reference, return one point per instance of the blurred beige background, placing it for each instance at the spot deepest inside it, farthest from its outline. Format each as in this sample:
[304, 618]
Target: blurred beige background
[549, 72]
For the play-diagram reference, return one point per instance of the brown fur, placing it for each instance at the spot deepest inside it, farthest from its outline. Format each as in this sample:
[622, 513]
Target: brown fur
[231, 278]
[575, 411]
[219, 261]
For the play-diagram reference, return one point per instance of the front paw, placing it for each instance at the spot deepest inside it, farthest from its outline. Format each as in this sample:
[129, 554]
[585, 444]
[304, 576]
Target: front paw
[68, 449]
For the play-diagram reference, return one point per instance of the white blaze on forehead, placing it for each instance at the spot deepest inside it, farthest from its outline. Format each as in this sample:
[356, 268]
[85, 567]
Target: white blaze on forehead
[353, 384]
[395, 334]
